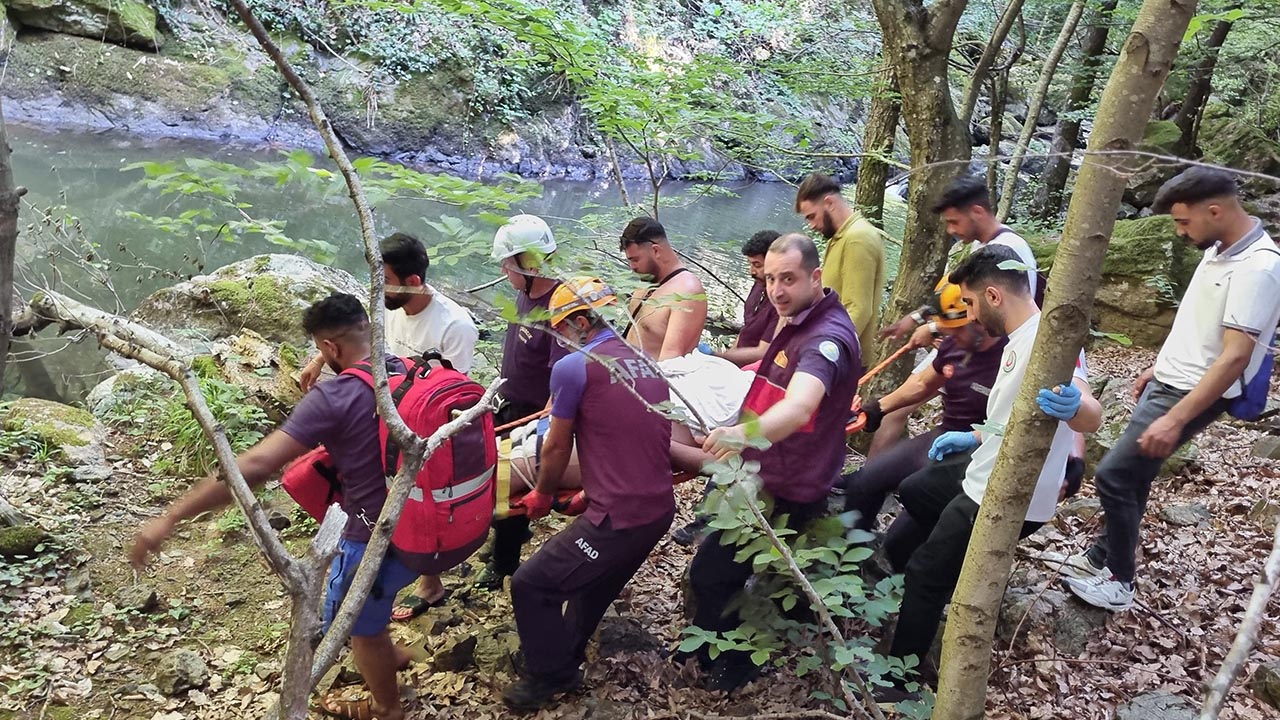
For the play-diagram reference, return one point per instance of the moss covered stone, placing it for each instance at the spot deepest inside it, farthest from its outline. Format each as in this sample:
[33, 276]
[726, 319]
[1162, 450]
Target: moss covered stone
[1161, 136]
[21, 540]
[124, 22]
[1239, 144]
[55, 424]
[1145, 273]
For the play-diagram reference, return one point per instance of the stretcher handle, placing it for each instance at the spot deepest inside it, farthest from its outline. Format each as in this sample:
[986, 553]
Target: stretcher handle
[517, 423]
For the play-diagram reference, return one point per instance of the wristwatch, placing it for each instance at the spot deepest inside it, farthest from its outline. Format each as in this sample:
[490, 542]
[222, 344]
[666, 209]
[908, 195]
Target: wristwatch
[933, 330]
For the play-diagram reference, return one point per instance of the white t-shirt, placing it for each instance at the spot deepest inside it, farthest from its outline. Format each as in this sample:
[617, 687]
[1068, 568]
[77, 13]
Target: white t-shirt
[442, 325]
[1013, 368]
[1238, 289]
[1011, 239]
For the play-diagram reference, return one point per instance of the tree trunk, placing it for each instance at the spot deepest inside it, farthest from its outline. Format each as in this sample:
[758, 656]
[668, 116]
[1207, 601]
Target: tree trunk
[877, 143]
[1188, 117]
[1033, 110]
[987, 59]
[9, 195]
[1126, 104]
[1066, 135]
[999, 98]
[917, 43]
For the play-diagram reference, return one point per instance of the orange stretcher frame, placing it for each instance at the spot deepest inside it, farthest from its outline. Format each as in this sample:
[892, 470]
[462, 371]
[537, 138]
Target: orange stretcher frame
[854, 425]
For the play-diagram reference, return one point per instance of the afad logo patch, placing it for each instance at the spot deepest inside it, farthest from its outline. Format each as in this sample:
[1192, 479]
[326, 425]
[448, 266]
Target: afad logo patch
[948, 371]
[780, 359]
[1010, 361]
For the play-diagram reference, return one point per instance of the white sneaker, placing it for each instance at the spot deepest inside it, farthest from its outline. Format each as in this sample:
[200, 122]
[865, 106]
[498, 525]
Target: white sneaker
[1106, 593]
[1079, 566]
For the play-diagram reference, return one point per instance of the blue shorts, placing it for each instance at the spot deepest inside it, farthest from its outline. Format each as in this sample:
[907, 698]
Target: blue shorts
[376, 613]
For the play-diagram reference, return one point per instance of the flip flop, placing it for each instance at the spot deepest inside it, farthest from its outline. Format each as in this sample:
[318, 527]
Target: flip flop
[412, 606]
[335, 705]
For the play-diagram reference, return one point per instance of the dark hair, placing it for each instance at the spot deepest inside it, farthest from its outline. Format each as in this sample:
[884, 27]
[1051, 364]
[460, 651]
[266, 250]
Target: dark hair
[796, 241]
[983, 268]
[759, 243]
[336, 314]
[1194, 185]
[963, 193]
[815, 187]
[643, 230]
[406, 255]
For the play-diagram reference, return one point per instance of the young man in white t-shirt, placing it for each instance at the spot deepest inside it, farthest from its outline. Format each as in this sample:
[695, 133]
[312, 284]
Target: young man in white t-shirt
[943, 499]
[1224, 327]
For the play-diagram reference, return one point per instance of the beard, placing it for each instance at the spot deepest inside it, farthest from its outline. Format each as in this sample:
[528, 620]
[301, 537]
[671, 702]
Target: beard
[395, 301]
[991, 320]
[828, 225]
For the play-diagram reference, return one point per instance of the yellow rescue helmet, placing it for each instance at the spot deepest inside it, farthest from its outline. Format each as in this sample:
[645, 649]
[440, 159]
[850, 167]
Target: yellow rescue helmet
[952, 312]
[579, 293]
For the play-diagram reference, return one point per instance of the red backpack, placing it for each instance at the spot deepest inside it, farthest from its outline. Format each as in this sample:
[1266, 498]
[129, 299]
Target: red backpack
[453, 501]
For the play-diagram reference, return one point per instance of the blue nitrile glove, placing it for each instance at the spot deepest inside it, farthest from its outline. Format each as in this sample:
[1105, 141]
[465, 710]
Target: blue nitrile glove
[1061, 403]
[949, 443]
[705, 349]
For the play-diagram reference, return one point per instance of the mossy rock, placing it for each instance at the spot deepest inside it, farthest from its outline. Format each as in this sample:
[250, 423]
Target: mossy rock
[1241, 145]
[124, 22]
[72, 432]
[1161, 136]
[21, 540]
[266, 294]
[1144, 275]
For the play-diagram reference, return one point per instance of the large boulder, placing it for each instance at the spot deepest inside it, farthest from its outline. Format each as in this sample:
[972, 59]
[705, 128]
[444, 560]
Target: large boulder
[1238, 143]
[1161, 138]
[266, 294]
[70, 432]
[123, 22]
[1067, 620]
[1144, 276]
[1265, 683]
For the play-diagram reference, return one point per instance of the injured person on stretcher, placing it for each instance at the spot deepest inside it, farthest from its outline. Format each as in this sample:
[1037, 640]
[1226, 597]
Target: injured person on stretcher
[705, 389]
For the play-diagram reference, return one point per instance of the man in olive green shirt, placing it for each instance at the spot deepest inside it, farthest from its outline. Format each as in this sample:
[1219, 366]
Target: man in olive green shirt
[853, 265]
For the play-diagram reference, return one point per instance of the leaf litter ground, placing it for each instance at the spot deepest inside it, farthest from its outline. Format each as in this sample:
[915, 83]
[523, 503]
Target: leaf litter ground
[80, 640]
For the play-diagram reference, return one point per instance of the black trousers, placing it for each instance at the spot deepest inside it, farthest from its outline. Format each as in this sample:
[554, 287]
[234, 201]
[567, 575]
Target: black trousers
[562, 592]
[509, 533]
[715, 577]
[866, 489]
[943, 515]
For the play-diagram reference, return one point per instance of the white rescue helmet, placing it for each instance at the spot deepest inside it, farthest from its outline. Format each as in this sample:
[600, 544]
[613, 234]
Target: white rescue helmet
[523, 233]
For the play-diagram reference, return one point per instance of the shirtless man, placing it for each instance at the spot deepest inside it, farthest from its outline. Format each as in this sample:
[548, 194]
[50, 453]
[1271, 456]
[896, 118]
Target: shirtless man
[666, 318]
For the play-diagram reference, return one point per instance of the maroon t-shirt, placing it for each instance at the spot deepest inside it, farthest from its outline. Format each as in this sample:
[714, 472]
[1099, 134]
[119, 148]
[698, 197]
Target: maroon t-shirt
[759, 318]
[624, 447]
[822, 342]
[342, 415]
[527, 356]
[969, 376]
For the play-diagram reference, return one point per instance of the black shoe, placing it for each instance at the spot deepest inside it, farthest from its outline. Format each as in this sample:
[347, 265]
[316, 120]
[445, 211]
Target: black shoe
[690, 534]
[528, 694]
[490, 578]
[731, 671]
[894, 694]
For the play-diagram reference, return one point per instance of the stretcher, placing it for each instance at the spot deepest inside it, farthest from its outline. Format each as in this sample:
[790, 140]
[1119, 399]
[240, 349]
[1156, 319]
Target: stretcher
[505, 508]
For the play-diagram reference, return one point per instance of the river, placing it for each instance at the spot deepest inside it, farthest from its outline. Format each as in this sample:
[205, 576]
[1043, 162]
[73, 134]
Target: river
[80, 177]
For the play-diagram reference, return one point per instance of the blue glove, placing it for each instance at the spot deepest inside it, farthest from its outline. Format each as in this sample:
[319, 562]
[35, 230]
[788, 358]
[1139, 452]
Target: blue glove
[1060, 405]
[705, 349]
[949, 443]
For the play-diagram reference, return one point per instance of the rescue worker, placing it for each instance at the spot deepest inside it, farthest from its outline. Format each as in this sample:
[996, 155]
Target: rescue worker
[799, 401]
[528, 353]
[602, 399]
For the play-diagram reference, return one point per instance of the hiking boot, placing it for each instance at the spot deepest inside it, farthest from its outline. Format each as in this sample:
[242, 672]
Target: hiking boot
[1106, 593]
[731, 671]
[690, 534]
[530, 693]
[490, 578]
[1080, 567]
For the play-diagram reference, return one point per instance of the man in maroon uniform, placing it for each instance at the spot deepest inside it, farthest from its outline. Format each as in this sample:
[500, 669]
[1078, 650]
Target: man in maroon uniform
[602, 399]
[800, 403]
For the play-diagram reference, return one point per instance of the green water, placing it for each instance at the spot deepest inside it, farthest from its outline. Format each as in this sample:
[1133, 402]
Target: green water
[80, 177]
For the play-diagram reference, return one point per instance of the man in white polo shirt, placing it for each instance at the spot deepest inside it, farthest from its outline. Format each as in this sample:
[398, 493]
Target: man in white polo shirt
[943, 499]
[1224, 327]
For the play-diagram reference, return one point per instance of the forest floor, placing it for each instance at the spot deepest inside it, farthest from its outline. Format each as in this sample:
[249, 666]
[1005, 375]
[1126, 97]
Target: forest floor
[81, 638]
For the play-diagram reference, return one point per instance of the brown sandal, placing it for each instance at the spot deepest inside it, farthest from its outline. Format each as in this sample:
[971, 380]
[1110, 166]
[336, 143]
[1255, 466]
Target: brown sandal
[342, 704]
